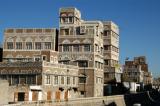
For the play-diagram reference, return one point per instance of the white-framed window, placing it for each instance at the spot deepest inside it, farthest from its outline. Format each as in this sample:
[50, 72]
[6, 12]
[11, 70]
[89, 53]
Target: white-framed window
[9, 45]
[86, 48]
[64, 20]
[66, 31]
[62, 80]
[18, 45]
[56, 80]
[28, 45]
[70, 19]
[47, 45]
[66, 48]
[38, 45]
[76, 48]
[47, 79]
[106, 33]
[74, 80]
[106, 62]
[68, 81]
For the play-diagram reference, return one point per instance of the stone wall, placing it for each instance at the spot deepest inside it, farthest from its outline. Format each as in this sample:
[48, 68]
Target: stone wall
[4, 85]
[93, 101]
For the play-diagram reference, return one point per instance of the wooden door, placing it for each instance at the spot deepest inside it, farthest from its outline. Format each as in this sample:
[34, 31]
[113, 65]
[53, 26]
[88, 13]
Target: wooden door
[58, 95]
[21, 96]
[49, 93]
[66, 95]
[34, 96]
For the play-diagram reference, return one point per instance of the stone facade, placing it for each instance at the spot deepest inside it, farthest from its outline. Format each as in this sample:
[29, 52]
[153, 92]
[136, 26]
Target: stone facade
[137, 71]
[34, 81]
[30, 44]
[81, 43]
[111, 52]
[93, 46]
[4, 92]
[30, 64]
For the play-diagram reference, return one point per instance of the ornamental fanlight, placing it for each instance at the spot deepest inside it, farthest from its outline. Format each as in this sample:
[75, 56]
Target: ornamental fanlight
[82, 29]
[70, 14]
[63, 15]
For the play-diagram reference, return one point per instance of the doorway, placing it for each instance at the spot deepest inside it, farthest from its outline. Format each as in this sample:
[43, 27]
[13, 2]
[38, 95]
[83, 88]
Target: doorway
[21, 96]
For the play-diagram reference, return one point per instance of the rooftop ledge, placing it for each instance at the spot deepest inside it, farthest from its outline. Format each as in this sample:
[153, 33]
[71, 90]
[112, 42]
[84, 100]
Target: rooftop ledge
[36, 64]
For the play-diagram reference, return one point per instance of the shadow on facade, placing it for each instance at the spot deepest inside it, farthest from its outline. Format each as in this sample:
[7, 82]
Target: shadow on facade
[115, 89]
[151, 98]
[1, 54]
[110, 104]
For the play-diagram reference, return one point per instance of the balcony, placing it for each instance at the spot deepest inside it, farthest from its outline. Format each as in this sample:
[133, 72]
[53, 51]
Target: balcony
[78, 36]
[60, 65]
[21, 64]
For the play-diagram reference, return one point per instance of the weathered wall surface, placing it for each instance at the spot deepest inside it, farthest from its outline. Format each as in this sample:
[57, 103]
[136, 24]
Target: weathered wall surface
[93, 101]
[4, 85]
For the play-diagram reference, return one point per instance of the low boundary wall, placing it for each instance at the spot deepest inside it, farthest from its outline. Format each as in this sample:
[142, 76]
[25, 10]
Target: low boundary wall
[117, 100]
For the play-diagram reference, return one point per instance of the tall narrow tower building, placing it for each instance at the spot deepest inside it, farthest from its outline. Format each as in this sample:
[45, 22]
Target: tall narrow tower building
[81, 44]
[111, 52]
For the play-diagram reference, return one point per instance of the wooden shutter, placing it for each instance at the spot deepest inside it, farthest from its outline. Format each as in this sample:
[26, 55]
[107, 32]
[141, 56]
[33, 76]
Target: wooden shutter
[58, 95]
[49, 95]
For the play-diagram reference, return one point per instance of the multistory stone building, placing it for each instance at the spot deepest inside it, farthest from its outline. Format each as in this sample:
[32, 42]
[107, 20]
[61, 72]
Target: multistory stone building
[81, 43]
[112, 71]
[30, 44]
[88, 50]
[40, 81]
[156, 83]
[30, 64]
[137, 71]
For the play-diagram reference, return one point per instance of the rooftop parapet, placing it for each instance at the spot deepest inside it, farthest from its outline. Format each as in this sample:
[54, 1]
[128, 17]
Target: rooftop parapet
[29, 30]
[69, 11]
[59, 65]
[36, 64]
[20, 64]
[110, 25]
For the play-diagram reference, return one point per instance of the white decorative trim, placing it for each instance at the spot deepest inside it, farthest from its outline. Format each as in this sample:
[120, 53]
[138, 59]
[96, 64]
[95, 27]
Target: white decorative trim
[66, 41]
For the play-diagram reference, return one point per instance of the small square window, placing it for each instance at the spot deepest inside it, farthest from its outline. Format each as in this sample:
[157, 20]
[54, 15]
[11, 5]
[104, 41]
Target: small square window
[44, 58]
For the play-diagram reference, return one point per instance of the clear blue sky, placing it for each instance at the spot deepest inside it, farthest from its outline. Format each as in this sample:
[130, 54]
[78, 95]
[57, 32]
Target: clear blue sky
[138, 20]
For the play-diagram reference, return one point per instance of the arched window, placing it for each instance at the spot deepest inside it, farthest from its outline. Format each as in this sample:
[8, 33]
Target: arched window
[47, 43]
[66, 41]
[63, 15]
[76, 41]
[18, 43]
[29, 43]
[10, 43]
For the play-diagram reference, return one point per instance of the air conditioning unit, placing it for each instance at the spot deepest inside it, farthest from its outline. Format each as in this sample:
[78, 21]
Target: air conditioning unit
[82, 29]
